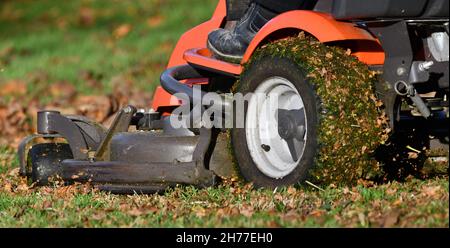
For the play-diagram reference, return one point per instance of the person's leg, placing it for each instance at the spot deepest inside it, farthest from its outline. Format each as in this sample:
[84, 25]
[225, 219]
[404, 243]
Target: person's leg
[236, 9]
[281, 6]
[231, 45]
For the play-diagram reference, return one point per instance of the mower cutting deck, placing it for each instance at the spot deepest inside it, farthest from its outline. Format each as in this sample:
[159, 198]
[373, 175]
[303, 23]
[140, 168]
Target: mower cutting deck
[123, 162]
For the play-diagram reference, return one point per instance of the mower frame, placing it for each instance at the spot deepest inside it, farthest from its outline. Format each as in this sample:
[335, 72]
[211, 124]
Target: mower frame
[103, 158]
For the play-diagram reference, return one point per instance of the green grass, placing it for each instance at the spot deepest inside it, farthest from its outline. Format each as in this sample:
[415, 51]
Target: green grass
[49, 38]
[43, 42]
[414, 203]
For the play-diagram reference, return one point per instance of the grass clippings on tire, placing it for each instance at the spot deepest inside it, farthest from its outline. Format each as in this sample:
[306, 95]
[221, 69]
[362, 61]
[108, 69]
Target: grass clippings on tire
[352, 123]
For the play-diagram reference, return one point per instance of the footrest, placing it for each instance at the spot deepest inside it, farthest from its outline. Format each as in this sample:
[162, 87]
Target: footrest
[202, 58]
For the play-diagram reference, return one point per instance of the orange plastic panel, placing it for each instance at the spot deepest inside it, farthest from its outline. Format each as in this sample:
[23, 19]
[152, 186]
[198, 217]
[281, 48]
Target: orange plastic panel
[371, 58]
[197, 36]
[322, 26]
[193, 38]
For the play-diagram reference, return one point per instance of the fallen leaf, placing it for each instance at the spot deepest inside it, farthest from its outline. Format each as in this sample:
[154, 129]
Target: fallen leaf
[413, 155]
[97, 108]
[317, 213]
[391, 219]
[155, 21]
[14, 172]
[362, 219]
[7, 187]
[291, 190]
[348, 52]
[247, 211]
[22, 187]
[98, 216]
[86, 16]
[199, 211]
[122, 31]
[47, 204]
[135, 212]
[431, 191]
[62, 90]
[13, 88]
[291, 216]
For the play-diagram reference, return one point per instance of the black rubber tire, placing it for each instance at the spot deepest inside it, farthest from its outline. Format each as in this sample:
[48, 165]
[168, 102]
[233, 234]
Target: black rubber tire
[46, 161]
[257, 72]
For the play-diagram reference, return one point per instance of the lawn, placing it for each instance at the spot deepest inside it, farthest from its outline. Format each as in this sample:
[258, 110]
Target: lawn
[87, 56]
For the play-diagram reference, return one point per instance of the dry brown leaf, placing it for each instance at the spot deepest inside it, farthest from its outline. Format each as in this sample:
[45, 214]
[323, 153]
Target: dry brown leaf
[199, 211]
[155, 21]
[391, 219]
[13, 88]
[413, 155]
[86, 16]
[122, 31]
[291, 216]
[348, 52]
[14, 172]
[291, 190]
[98, 216]
[135, 212]
[47, 204]
[317, 213]
[62, 90]
[97, 108]
[247, 211]
[22, 187]
[7, 187]
[431, 191]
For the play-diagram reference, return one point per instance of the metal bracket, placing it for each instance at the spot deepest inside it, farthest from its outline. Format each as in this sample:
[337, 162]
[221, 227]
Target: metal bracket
[396, 43]
[121, 123]
[52, 122]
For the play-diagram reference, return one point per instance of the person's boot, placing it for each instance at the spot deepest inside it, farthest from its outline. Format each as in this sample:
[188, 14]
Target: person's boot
[230, 45]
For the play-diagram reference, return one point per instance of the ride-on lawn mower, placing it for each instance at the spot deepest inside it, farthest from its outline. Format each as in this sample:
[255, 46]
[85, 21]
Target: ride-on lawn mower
[405, 41]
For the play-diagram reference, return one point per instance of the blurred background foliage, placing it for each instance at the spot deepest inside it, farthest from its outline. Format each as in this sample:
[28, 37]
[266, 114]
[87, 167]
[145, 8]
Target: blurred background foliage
[90, 43]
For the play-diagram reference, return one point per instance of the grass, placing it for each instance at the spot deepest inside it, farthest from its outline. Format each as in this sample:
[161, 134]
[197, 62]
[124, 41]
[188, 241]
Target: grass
[62, 41]
[414, 203]
[45, 42]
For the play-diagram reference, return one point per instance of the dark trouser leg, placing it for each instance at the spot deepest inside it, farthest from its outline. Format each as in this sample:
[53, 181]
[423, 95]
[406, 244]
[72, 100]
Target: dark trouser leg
[230, 45]
[236, 9]
[281, 6]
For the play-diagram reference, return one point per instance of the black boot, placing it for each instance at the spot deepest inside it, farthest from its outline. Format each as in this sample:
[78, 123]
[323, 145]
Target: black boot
[230, 45]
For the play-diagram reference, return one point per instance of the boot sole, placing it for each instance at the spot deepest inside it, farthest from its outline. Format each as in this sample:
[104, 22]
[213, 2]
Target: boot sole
[235, 59]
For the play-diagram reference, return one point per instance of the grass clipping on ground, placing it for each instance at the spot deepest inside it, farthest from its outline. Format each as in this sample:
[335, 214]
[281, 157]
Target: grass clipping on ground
[352, 123]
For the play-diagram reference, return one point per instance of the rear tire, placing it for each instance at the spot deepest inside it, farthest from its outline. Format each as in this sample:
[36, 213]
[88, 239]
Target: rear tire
[263, 165]
[326, 101]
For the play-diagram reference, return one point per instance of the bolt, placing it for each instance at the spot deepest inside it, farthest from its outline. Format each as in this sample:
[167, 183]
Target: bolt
[127, 110]
[425, 66]
[401, 71]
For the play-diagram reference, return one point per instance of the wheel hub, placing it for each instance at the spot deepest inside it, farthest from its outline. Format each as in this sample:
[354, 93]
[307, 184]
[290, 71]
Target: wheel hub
[276, 143]
[286, 127]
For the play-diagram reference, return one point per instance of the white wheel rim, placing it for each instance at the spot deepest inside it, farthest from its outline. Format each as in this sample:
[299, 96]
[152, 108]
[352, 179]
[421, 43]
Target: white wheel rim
[268, 149]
